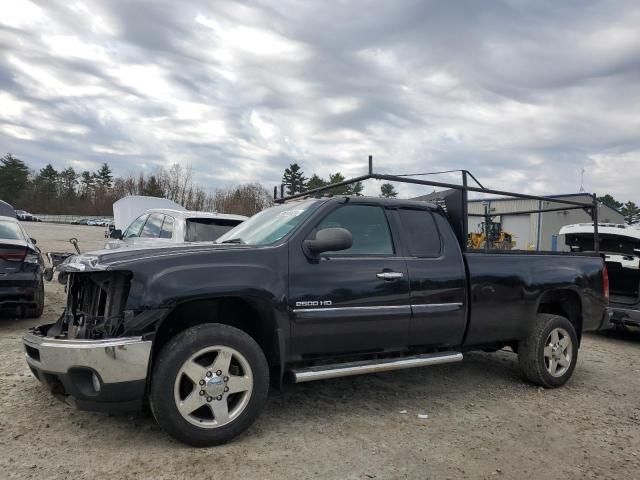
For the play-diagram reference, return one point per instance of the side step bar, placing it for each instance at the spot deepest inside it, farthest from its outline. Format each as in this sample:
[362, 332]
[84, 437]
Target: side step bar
[323, 372]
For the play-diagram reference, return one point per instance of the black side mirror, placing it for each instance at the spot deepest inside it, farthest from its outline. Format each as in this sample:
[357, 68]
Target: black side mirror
[115, 233]
[329, 240]
[33, 240]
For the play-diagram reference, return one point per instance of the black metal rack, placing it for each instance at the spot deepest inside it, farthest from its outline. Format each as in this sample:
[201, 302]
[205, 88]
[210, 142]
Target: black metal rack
[457, 205]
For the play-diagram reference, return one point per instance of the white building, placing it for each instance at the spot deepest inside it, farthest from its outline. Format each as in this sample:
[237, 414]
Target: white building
[534, 231]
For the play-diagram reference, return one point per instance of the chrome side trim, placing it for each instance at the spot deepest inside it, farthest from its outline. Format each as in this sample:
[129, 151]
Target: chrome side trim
[436, 307]
[352, 309]
[370, 366]
[114, 360]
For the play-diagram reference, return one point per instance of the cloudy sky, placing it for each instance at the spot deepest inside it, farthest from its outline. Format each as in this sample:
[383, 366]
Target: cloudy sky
[525, 94]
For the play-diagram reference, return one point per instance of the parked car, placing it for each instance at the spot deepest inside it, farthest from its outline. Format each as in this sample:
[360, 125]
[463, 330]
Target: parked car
[24, 216]
[620, 245]
[306, 290]
[80, 221]
[161, 226]
[98, 222]
[21, 269]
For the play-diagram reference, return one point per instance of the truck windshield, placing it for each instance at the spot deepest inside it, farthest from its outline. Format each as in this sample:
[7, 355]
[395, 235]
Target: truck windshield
[270, 225]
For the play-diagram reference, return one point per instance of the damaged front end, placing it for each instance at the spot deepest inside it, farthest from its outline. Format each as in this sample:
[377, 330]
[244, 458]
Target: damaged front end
[95, 305]
[87, 358]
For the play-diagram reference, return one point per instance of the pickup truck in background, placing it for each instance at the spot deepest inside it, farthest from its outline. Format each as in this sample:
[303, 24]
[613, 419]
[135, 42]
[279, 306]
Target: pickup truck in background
[620, 247]
[306, 290]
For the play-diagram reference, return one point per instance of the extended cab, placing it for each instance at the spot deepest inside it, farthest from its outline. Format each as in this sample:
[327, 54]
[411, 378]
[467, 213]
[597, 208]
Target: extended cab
[306, 290]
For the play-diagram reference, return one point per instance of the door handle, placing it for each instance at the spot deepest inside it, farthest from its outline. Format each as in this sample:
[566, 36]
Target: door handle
[389, 275]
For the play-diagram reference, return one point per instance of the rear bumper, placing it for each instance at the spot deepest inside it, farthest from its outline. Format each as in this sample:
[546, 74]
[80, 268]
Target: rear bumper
[19, 289]
[99, 375]
[624, 316]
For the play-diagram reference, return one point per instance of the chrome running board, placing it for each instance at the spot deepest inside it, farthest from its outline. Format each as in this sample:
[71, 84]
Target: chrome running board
[323, 372]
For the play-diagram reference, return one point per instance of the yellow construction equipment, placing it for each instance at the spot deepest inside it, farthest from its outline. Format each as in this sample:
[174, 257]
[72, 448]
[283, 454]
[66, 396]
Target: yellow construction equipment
[498, 238]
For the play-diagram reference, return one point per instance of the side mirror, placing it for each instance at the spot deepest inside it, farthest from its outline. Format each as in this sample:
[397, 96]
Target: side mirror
[329, 240]
[33, 240]
[115, 233]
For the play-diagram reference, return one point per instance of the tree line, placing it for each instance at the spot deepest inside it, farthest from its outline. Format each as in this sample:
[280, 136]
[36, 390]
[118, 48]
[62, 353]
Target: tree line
[51, 191]
[66, 191]
[629, 209]
[295, 181]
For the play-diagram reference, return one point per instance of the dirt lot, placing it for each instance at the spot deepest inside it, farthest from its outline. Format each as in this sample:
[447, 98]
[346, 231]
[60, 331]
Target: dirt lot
[484, 421]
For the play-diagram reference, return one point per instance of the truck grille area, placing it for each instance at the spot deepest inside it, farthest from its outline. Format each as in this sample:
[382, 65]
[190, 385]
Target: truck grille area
[95, 304]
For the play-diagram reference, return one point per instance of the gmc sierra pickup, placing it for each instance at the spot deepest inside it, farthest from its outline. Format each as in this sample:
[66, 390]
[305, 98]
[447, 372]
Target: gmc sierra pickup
[306, 290]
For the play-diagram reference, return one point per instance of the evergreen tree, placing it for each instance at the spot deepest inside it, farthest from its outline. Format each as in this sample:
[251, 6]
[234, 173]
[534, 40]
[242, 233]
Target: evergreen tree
[609, 201]
[387, 190]
[152, 188]
[355, 189]
[68, 183]
[103, 177]
[87, 183]
[294, 179]
[631, 212]
[47, 181]
[337, 178]
[14, 178]
[315, 182]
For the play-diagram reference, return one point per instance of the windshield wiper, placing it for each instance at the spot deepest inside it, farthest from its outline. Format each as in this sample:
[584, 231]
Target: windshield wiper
[233, 240]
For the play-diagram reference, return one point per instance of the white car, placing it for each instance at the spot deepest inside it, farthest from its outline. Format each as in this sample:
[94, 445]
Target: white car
[162, 226]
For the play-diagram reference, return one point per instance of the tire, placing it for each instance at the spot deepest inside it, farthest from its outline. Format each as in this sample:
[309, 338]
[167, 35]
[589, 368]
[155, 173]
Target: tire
[235, 388]
[548, 356]
[36, 312]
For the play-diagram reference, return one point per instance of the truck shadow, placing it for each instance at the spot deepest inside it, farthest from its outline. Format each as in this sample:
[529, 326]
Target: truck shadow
[622, 335]
[481, 377]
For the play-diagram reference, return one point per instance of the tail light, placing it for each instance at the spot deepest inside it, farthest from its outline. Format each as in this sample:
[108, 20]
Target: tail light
[13, 254]
[605, 282]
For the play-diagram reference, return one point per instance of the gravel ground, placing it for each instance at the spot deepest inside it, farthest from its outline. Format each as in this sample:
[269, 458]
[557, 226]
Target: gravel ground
[483, 420]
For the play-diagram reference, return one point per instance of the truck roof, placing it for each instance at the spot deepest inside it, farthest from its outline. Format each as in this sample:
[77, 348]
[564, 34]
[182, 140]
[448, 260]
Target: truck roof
[387, 202]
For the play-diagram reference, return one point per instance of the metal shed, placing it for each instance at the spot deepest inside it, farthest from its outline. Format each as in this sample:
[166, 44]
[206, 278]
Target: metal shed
[534, 230]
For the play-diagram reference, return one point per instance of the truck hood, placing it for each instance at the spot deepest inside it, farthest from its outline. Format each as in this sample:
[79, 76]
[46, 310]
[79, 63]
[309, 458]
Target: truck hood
[121, 259]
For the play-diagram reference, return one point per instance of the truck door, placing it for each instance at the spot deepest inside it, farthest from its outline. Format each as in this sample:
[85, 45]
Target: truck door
[437, 278]
[354, 300]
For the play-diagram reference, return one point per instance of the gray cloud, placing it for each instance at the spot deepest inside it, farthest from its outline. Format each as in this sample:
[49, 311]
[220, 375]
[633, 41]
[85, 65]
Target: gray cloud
[524, 94]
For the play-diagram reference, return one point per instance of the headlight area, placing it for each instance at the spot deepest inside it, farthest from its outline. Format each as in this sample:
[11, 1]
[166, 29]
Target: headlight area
[95, 304]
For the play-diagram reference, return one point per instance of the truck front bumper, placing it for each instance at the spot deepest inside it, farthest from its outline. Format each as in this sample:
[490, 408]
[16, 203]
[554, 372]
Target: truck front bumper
[98, 375]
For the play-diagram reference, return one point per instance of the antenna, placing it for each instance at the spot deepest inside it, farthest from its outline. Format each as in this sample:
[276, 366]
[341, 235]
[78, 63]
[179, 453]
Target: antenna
[582, 180]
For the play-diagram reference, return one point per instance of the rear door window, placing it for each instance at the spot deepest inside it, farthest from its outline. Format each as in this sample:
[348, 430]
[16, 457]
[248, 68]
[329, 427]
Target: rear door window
[153, 226]
[419, 233]
[207, 229]
[167, 228]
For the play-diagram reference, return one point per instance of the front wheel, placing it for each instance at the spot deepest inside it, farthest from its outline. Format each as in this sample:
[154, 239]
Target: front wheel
[549, 354]
[209, 384]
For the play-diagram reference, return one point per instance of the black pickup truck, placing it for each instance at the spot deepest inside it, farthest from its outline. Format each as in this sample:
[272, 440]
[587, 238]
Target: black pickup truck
[306, 290]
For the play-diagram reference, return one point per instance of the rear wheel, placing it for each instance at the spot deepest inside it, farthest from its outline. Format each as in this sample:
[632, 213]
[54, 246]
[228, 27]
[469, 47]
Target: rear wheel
[549, 354]
[209, 384]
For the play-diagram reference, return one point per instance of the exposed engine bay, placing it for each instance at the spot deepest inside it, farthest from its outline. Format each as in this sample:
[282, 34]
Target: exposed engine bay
[95, 305]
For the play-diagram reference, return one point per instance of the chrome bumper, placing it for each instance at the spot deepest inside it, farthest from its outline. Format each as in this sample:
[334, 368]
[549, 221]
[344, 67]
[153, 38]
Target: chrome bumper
[91, 374]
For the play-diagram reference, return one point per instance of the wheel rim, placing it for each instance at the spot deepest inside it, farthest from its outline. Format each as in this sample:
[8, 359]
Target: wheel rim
[558, 352]
[213, 387]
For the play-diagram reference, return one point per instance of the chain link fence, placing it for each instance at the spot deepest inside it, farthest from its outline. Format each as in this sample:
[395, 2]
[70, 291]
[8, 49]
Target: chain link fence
[70, 218]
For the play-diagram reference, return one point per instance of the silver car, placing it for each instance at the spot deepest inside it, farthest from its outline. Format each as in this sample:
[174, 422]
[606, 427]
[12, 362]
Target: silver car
[157, 227]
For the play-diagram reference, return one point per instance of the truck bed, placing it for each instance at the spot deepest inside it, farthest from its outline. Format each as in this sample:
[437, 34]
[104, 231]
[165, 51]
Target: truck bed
[505, 290]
